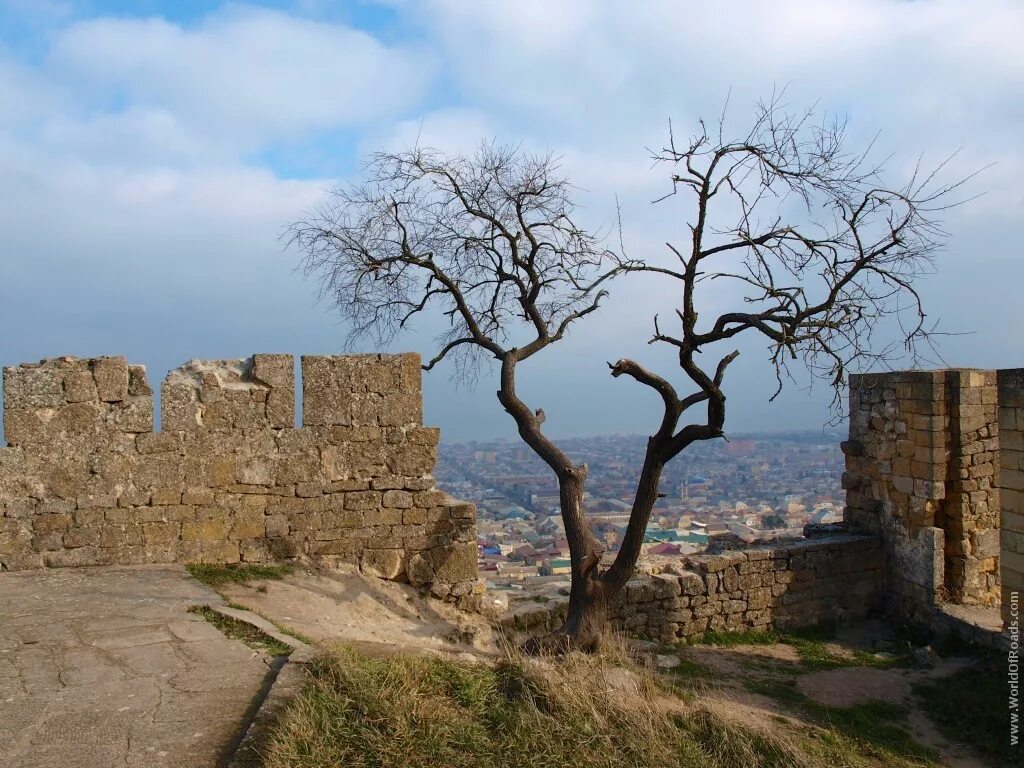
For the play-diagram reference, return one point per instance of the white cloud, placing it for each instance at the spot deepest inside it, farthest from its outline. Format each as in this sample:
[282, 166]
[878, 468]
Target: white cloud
[452, 131]
[244, 75]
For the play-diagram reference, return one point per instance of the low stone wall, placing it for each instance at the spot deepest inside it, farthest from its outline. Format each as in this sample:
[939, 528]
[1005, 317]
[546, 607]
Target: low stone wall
[838, 578]
[86, 481]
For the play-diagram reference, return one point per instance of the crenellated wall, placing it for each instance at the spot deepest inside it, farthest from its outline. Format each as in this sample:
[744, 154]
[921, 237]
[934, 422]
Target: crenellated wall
[86, 481]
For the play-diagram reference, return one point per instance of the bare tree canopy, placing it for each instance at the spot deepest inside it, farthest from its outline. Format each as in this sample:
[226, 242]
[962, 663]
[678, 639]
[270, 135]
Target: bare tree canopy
[823, 251]
[490, 239]
[820, 252]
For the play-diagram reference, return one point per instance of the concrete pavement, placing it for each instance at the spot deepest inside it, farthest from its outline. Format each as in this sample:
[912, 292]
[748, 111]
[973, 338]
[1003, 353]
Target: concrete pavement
[104, 667]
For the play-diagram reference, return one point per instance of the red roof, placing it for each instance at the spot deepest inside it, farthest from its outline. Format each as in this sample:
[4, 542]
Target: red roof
[665, 548]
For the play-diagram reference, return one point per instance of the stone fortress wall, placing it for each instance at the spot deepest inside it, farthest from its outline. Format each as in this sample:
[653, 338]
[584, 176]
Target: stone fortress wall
[933, 469]
[830, 579]
[922, 471]
[86, 481]
[934, 479]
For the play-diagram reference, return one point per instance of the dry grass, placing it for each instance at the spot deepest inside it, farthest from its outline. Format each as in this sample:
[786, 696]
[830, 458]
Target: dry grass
[605, 710]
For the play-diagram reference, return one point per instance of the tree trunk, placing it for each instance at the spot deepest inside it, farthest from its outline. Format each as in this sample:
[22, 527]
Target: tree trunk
[585, 624]
[592, 591]
[587, 619]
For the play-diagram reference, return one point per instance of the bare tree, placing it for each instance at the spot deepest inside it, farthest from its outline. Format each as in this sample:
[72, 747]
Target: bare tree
[491, 240]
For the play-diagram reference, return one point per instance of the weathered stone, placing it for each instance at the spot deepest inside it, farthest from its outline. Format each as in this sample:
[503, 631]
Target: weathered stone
[384, 563]
[419, 570]
[80, 386]
[138, 383]
[397, 499]
[111, 374]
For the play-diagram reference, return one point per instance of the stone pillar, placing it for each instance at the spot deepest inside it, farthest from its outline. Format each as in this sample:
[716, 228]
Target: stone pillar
[922, 471]
[970, 513]
[896, 461]
[1011, 480]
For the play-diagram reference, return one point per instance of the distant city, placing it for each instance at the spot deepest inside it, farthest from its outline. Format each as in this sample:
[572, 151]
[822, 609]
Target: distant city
[753, 487]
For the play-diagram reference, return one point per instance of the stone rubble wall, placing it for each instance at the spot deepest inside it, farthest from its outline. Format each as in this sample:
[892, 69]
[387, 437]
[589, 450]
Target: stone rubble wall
[1011, 475]
[834, 579]
[86, 481]
[922, 473]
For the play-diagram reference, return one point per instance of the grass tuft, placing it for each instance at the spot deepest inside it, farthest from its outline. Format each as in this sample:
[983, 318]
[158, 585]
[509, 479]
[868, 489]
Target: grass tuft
[240, 630]
[236, 573]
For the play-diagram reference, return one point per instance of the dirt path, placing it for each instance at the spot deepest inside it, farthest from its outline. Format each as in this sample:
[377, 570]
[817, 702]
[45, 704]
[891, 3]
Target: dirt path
[342, 605]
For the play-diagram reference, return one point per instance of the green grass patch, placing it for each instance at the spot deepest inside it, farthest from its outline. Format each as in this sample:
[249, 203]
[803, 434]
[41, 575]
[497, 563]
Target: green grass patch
[871, 727]
[424, 712]
[690, 669]
[237, 573]
[365, 712]
[811, 645]
[972, 707]
[240, 630]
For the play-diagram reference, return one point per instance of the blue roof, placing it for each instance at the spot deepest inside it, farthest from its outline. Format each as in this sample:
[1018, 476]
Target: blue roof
[675, 537]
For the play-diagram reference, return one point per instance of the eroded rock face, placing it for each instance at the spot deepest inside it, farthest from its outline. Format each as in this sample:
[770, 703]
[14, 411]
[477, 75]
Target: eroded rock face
[86, 481]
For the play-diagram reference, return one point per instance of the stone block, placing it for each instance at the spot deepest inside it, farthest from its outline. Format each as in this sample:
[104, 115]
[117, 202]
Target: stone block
[419, 570]
[456, 563]
[166, 496]
[397, 499]
[80, 386]
[255, 471]
[383, 563]
[278, 373]
[138, 382]
[111, 375]
[423, 435]
[400, 409]
[159, 442]
[326, 391]
[248, 524]
[207, 531]
[413, 460]
[179, 404]
[363, 500]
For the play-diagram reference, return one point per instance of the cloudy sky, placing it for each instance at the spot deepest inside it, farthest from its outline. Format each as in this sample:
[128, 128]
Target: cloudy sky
[151, 153]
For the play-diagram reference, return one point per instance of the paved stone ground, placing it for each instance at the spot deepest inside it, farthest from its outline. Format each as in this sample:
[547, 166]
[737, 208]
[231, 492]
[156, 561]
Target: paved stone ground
[104, 667]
